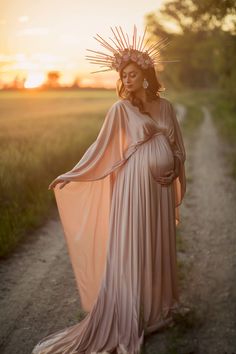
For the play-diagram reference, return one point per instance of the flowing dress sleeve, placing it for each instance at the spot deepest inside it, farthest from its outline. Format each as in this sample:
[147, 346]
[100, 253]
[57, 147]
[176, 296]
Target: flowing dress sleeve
[177, 144]
[106, 153]
[84, 203]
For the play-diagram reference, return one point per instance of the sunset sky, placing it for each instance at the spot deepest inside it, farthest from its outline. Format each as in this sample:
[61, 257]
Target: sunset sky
[38, 36]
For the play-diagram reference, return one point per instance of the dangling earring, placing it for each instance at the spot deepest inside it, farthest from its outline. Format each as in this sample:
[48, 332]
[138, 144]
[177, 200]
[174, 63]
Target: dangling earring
[145, 84]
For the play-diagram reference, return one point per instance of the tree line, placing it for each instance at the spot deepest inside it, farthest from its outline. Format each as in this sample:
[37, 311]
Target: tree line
[204, 43]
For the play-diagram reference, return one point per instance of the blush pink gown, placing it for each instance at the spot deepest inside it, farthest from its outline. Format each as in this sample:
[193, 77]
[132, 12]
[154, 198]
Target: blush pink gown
[120, 228]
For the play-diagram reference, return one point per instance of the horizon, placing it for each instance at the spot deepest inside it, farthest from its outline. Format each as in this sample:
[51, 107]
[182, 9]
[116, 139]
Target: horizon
[35, 42]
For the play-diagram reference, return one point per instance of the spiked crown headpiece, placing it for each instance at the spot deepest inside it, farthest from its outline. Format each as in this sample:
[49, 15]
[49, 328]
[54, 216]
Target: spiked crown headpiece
[123, 50]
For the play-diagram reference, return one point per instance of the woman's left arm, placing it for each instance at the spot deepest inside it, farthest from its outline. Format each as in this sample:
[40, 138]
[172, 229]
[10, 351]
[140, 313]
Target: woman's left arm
[176, 140]
[175, 137]
[177, 166]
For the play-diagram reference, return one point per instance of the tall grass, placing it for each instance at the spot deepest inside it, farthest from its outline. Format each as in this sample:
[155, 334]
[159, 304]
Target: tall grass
[42, 135]
[192, 102]
[224, 113]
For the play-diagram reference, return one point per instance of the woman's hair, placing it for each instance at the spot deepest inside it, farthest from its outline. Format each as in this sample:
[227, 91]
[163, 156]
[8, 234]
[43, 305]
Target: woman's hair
[153, 89]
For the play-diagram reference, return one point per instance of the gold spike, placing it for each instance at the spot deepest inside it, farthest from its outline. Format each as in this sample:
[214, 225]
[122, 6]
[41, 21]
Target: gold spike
[148, 40]
[100, 61]
[95, 51]
[123, 36]
[128, 41]
[105, 44]
[99, 56]
[138, 43]
[114, 43]
[154, 44]
[117, 30]
[169, 61]
[100, 71]
[122, 45]
[157, 55]
[157, 44]
[135, 37]
[159, 48]
[142, 38]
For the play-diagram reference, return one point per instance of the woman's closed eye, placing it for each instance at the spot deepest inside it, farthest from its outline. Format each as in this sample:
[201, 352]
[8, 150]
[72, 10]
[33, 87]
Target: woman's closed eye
[131, 75]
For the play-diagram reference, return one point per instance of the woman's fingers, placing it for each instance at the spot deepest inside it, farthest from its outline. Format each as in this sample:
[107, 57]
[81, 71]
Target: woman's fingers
[51, 185]
[63, 184]
[55, 182]
[166, 180]
[168, 173]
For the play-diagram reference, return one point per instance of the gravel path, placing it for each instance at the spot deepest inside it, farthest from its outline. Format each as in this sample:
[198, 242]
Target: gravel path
[37, 290]
[209, 232]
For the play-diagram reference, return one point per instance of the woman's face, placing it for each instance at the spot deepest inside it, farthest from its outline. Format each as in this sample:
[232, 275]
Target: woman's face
[132, 77]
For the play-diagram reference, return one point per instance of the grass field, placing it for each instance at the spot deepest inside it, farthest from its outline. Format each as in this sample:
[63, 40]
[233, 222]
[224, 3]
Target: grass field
[223, 110]
[42, 135]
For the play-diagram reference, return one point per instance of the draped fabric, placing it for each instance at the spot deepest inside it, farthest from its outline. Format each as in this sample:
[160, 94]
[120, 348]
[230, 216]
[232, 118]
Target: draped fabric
[119, 225]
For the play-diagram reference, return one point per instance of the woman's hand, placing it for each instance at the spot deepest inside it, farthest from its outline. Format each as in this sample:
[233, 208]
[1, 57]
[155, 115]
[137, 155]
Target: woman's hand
[168, 177]
[55, 182]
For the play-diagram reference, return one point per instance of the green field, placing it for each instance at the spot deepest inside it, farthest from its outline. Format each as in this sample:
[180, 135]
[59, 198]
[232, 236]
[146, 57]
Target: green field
[42, 135]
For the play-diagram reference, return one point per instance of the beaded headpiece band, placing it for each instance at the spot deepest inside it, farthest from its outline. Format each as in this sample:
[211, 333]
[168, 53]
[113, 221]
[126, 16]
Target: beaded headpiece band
[123, 50]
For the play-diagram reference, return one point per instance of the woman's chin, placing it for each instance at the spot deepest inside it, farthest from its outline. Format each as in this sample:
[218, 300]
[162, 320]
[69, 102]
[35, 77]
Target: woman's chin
[130, 89]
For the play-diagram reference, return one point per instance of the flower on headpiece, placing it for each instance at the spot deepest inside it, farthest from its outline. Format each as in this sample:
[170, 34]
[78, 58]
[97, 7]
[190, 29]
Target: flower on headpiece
[126, 57]
[134, 57]
[140, 61]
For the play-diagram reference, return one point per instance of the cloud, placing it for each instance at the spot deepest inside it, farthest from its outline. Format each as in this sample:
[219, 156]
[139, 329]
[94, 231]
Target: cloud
[70, 39]
[41, 61]
[3, 21]
[23, 18]
[36, 31]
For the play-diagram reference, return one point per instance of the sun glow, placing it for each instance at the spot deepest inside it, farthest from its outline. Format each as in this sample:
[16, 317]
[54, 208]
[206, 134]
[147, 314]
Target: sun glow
[34, 79]
[36, 42]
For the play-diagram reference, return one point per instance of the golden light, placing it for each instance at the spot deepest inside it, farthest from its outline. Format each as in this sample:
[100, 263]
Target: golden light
[171, 26]
[34, 79]
[35, 41]
[23, 19]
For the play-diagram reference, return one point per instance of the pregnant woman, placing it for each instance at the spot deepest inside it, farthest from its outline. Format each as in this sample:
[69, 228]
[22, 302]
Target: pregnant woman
[119, 210]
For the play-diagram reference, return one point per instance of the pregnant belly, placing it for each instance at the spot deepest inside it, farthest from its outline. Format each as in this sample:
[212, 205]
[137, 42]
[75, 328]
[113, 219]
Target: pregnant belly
[160, 156]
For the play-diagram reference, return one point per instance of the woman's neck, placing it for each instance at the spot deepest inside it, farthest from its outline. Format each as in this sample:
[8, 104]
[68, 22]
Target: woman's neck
[141, 94]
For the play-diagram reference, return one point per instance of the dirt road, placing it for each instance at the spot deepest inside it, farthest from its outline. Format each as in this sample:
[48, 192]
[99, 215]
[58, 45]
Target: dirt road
[38, 294]
[209, 231]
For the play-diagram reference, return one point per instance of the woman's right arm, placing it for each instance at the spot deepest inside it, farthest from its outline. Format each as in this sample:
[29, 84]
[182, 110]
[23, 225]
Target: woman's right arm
[105, 154]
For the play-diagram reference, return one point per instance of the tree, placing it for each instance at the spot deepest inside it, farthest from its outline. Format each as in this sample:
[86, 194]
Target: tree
[53, 78]
[202, 14]
[204, 44]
